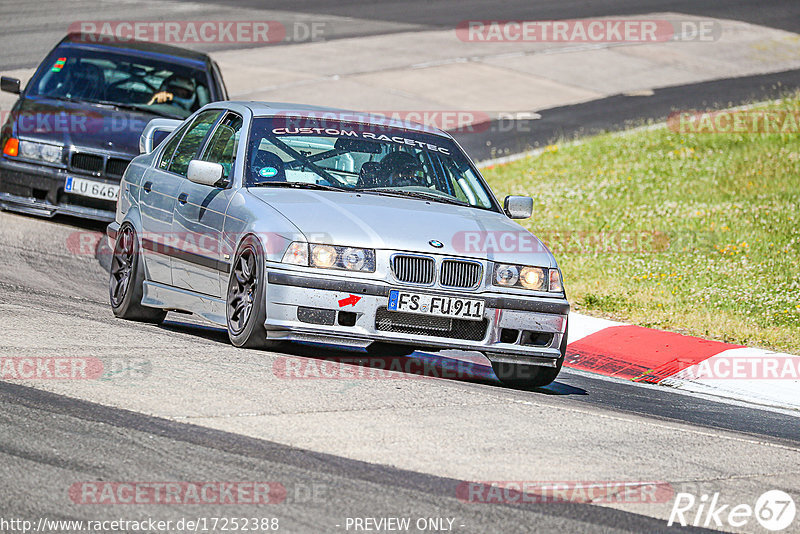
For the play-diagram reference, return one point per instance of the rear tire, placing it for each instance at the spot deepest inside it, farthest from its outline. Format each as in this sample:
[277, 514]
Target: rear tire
[530, 376]
[126, 280]
[245, 307]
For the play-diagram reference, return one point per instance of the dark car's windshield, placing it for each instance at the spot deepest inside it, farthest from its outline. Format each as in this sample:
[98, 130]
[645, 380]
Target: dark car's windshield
[116, 78]
[372, 158]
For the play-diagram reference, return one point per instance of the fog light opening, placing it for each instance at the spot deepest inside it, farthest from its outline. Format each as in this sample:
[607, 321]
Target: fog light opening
[347, 318]
[509, 335]
[536, 339]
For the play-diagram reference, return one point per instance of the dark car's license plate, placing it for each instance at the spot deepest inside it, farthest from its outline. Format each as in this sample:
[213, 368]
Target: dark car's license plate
[91, 188]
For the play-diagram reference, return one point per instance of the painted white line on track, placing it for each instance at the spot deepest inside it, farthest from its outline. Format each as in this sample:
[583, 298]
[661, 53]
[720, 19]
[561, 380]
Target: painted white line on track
[705, 395]
[671, 425]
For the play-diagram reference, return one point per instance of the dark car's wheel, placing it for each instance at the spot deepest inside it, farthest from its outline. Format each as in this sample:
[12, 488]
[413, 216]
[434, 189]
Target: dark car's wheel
[126, 280]
[379, 348]
[516, 375]
[245, 307]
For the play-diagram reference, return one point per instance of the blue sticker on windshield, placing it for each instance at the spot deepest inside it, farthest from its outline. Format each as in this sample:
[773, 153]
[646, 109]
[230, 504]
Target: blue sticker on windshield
[268, 172]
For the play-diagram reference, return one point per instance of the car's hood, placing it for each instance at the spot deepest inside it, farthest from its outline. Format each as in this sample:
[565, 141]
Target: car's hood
[383, 222]
[81, 125]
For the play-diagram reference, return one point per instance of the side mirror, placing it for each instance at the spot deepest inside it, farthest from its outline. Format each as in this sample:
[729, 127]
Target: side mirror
[517, 207]
[205, 173]
[9, 85]
[151, 132]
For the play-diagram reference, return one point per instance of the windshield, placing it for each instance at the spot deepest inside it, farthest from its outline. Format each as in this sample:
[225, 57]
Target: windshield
[123, 80]
[370, 158]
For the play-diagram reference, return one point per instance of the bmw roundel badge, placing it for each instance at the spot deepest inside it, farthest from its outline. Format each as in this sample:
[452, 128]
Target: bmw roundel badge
[435, 244]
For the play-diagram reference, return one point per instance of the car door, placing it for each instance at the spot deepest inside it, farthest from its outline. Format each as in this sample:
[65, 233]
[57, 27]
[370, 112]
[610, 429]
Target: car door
[200, 214]
[158, 194]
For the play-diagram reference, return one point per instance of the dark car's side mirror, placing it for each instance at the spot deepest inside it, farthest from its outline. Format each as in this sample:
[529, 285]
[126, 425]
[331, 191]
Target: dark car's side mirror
[9, 85]
[206, 173]
[518, 207]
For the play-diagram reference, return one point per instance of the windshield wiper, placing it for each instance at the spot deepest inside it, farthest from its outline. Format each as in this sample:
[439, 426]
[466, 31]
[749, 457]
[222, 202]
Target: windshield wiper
[137, 107]
[75, 100]
[414, 194]
[115, 105]
[300, 185]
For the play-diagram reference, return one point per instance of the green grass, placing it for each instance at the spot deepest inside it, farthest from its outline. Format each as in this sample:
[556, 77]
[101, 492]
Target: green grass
[716, 218]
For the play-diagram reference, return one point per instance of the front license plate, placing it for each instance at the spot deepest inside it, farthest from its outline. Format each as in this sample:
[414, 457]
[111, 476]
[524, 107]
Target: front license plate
[90, 188]
[437, 305]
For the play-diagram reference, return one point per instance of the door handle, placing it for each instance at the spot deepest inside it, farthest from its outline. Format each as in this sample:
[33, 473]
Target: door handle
[148, 186]
[183, 198]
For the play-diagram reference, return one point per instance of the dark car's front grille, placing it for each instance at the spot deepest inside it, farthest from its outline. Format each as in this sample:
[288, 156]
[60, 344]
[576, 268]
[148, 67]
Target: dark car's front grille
[87, 162]
[98, 164]
[115, 167]
[425, 325]
[414, 269]
[455, 273]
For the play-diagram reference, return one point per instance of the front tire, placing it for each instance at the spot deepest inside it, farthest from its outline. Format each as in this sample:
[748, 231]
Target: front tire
[246, 309]
[530, 376]
[126, 280]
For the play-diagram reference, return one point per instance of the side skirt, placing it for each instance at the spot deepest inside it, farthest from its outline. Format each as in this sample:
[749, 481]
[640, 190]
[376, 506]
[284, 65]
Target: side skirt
[171, 298]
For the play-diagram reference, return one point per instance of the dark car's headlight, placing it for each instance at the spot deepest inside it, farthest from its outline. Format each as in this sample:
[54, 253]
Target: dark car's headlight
[40, 151]
[527, 277]
[330, 257]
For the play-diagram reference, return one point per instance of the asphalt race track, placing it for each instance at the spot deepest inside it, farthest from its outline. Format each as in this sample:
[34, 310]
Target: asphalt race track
[202, 410]
[184, 405]
[29, 31]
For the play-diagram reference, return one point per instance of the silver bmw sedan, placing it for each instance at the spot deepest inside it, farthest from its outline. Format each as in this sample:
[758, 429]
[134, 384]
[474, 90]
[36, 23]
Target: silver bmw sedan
[293, 223]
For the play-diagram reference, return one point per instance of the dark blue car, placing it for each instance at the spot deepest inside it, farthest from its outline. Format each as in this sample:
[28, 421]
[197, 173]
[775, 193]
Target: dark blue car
[76, 125]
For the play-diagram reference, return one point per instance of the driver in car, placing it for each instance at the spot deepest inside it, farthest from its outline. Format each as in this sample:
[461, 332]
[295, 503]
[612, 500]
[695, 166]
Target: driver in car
[403, 169]
[175, 89]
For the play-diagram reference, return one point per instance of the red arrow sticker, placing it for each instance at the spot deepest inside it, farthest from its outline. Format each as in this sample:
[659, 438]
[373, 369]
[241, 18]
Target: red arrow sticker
[349, 301]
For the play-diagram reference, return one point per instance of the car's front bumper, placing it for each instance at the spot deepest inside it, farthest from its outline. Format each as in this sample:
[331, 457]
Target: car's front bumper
[320, 319]
[39, 190]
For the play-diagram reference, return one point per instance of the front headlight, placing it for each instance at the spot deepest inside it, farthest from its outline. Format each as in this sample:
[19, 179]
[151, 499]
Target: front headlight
[323, 256]
[40, 151]
[527, 277]
[533, 278]
[506, 275]
[330, 257]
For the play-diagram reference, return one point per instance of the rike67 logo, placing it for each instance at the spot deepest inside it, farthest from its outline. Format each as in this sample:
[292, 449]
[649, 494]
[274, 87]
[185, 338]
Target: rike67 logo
[774, 510]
